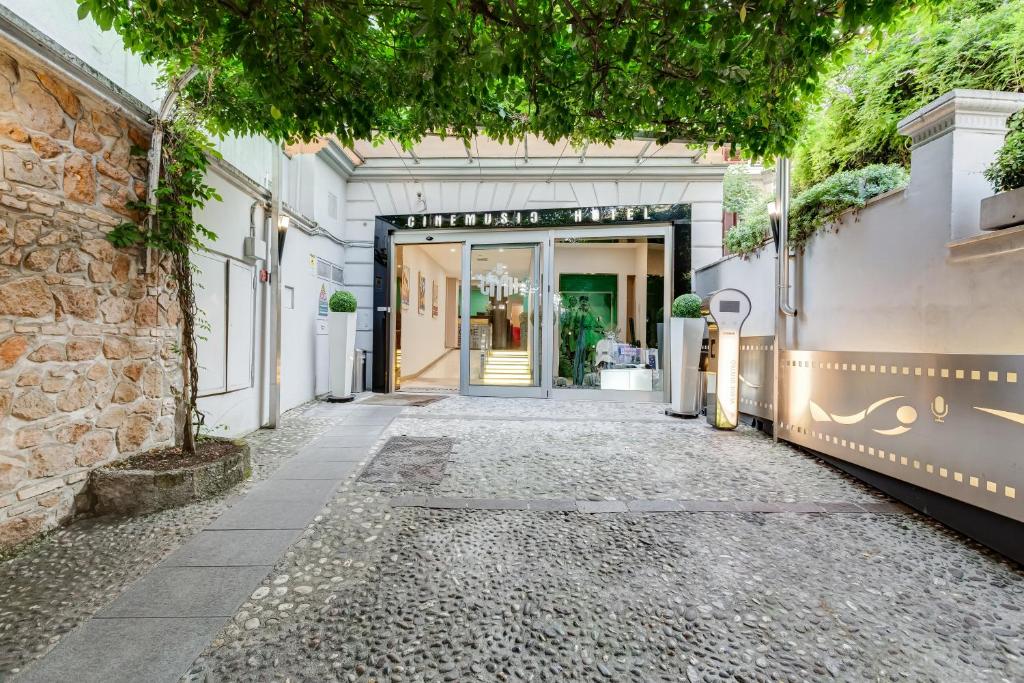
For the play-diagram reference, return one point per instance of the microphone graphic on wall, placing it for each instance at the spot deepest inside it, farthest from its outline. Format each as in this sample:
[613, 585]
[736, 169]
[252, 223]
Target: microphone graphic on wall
[940, 408]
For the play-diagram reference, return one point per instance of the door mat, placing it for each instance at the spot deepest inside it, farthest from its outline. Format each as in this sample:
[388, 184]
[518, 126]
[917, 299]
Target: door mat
[410, 460]
[414, 400]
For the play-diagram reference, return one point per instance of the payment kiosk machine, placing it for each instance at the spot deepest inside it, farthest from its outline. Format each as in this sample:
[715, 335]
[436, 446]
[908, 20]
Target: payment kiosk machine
[725, 310]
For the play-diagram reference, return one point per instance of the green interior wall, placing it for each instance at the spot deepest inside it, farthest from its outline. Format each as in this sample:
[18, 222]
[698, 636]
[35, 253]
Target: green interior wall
[478, 302]
[577, 283]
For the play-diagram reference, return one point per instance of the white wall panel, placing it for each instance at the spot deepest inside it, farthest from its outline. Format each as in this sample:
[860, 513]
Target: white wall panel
[241, 298]
[360, 229]
[585, 194]
[703, 256]
[358, 273]
[707, 211]
[650, 192]
[702, 192]
[518, 196]
[382, 196]
[629, 193]
[211, 300]
[706, 234]
[671, 192]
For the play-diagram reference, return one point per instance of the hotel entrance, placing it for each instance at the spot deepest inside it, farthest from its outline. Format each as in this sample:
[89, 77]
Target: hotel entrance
[502, 316]
[572, 311]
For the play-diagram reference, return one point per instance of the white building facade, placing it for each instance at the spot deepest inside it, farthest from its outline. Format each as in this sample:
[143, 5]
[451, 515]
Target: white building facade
[333, 199]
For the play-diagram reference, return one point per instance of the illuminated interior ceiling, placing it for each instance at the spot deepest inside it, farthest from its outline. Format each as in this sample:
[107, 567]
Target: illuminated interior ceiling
[434, 147]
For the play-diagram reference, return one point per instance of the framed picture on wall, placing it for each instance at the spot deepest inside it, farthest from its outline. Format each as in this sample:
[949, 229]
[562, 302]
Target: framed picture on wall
[435, 299]
[406, 288]
[421, 294]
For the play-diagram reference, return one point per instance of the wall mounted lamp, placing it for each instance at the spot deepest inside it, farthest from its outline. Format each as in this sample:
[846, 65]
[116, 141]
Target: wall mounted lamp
[283, 223]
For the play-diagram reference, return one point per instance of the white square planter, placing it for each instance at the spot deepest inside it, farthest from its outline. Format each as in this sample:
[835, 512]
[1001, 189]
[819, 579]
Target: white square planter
[687, 338]
[1003, 210]
[341, 349]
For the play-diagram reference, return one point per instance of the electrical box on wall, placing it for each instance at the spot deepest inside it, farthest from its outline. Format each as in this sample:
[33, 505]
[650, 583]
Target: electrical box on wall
[363, 320]
[255, 249]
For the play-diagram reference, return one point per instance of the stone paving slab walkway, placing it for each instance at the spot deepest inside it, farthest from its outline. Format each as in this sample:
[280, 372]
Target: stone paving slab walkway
[558, 541]
[215, 553]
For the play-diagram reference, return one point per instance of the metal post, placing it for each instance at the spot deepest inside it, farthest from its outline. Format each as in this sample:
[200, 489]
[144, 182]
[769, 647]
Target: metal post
[277, 185]
[783, 309]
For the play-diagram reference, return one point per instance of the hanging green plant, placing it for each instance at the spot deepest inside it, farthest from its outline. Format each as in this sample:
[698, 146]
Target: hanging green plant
[175, 234]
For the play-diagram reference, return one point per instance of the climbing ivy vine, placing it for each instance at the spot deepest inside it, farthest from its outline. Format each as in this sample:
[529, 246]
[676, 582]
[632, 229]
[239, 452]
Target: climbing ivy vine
[712, 71]
[175, 234]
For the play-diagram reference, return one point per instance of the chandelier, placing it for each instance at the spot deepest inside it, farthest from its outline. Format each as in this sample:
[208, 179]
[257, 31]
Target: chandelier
[497, 283]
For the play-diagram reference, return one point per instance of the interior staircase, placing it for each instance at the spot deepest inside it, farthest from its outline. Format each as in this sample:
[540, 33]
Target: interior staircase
[507, 368]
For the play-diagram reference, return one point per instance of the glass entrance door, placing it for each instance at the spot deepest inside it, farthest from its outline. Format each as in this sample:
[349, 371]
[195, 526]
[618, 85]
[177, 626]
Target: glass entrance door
[502, 298]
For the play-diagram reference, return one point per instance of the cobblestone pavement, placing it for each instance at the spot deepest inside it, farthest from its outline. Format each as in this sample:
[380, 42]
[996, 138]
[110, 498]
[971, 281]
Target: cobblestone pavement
[374, 592]
[48, 589]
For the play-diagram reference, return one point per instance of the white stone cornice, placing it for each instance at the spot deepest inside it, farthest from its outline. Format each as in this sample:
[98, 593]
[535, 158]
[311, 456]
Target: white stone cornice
[983, 111]
[335, 157]
[496, 170]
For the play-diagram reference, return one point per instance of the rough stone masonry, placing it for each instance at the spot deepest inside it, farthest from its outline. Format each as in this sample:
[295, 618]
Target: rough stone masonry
[87, 362]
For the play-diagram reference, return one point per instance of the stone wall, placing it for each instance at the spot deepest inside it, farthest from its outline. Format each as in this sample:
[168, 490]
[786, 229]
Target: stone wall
[87, 357]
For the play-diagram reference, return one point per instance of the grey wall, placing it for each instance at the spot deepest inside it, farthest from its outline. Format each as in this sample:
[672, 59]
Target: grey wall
[755, 276]
[910, 272]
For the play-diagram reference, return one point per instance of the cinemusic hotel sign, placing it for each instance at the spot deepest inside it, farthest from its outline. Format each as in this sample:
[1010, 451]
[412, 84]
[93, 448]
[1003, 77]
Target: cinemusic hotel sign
[543, 218]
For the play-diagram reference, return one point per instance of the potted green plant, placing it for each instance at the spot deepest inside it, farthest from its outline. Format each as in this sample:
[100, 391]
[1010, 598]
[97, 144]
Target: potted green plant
[341, 342]
[1006, 209]
[686, 338]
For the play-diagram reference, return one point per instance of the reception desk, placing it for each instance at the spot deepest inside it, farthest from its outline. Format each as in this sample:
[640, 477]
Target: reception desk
[628, 379]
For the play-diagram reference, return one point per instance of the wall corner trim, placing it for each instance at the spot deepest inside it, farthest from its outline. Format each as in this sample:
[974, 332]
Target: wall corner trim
[975, 110]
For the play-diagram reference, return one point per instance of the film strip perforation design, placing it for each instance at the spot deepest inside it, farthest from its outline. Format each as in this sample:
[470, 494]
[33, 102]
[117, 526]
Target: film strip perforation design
[906, 461]
[952, 423]
[1007, 376]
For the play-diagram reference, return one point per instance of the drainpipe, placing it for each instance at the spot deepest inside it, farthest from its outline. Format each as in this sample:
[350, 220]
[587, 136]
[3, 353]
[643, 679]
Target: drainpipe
[783, 309]
[156, 141]
[782, 197]
[277, 184]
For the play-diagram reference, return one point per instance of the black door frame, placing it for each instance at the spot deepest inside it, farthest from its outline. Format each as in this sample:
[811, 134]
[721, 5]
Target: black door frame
[679, 215]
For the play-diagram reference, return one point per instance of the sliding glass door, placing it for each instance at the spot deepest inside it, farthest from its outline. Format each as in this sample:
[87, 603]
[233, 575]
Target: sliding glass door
[502, 314]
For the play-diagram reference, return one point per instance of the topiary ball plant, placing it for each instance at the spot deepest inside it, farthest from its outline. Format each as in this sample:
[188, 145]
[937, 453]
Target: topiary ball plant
[686, 306]
[342, 302]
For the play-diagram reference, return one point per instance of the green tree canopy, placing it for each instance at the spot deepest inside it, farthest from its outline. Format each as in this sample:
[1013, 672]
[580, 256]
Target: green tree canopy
[965, 44]
[705, 70]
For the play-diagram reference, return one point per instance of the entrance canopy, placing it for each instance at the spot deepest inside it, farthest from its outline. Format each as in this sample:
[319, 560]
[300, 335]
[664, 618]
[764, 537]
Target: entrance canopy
[529, 148]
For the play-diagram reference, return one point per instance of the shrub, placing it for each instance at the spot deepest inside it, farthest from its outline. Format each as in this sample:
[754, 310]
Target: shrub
[686, 306]
[963, 44]
[819, 205]
[1007, 171]
[748, 198]
[342, 302]
[750, 233]
[823, 203]
[740, 189]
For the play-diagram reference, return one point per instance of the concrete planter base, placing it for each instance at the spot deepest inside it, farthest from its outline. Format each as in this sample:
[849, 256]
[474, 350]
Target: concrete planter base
[1003, 210]
[126, 491]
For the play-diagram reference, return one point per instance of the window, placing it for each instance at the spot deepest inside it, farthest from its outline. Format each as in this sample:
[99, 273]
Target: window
[332, 205]
[289, 297]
